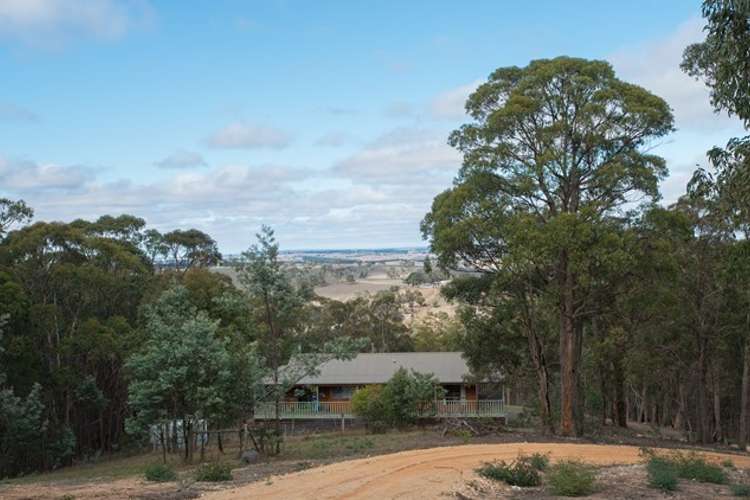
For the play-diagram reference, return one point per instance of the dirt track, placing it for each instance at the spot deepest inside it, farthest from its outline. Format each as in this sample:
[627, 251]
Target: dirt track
[421, 473]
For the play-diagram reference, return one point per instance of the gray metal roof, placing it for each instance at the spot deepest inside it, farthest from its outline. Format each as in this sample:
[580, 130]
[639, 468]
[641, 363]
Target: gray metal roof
[377, 368]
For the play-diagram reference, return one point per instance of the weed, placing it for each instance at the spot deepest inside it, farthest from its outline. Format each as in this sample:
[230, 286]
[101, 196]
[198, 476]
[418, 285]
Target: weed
[662, 474]
[571, 478]
[520, 472]
[213, 472]
[159, 473]
[740, 490]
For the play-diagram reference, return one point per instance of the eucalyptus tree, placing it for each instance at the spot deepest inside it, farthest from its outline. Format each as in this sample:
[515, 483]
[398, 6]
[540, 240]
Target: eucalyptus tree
[13, 213]
[564, 144]
[279, 310]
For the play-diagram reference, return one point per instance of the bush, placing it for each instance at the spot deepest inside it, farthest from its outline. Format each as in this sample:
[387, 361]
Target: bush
[213, 472]
[571, 478]
[521, 472]
[662, 474]
[539, 461]
[159, 473]
[740, 490]
[690, 466]
[694, 467]
[369, 403]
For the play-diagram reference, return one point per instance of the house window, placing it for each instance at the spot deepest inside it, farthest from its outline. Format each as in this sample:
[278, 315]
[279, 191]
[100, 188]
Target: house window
[452, 392]
[342, 392]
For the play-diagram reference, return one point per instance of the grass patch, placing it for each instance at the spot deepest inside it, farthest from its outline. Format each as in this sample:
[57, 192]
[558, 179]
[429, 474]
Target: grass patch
[571, 478]
[727, 463]
[213, 472]
[662, 474]
[740, 490]
[159, 473]
[520, 472]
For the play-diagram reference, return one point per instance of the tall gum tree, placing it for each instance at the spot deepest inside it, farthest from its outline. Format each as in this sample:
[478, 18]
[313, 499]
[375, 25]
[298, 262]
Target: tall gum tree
[566, 143]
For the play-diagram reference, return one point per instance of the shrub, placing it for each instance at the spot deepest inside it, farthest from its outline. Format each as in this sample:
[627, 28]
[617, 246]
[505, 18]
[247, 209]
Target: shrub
[662, 474]
[727, 463]
[694, 467]
[740, 490]
[213, 472]
[159, 473]
[571, 478]
[521, 472]
[369, 403]
[539, 461]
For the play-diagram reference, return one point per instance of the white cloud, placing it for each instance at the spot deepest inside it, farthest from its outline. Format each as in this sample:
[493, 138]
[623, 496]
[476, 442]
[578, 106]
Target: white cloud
[402, 157]
[655, 65]
[182, 159]
[42, 22]
[450, 104]
[28, 176]
[240, 135]
[14, 113]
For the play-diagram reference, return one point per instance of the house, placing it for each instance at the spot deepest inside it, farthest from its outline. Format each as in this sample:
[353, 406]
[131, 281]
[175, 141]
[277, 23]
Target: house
[328, 393]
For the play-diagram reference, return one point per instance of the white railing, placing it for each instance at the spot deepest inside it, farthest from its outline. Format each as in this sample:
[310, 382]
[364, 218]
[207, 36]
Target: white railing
[337, 409]
[476, 408]
[300, 409]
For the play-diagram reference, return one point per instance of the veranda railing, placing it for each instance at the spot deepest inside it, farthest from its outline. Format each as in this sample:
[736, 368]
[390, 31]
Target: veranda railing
[337, 409]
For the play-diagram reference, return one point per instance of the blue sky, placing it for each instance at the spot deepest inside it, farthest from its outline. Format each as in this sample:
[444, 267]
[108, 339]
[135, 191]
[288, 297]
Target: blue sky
[326, 120]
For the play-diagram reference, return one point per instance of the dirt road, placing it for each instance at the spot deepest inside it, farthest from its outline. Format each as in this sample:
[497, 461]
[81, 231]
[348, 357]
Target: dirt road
[421, 473]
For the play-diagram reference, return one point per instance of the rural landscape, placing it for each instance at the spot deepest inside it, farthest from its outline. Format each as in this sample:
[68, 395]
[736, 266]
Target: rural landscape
[533, 285]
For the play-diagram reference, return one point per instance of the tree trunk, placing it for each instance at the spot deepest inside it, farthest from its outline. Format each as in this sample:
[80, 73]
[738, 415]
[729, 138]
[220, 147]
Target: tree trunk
[717, 405]
[745, 397]
[620, 403]
[703, 427]
[569, 348]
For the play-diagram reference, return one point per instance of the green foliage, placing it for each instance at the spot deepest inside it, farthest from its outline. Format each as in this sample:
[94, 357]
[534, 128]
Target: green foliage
[369, 403]
[183, 371]
[406, 396]
[159, 473]
[740, 490]
[520, 472]
[727, 463]
[686, 465]
[662, 474]
[539, 461]
[213, 472]
[571, 478]
[694, 467]
[721, 58]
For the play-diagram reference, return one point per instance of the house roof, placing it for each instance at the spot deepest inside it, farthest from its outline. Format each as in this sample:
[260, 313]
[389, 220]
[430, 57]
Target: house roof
[378, 368]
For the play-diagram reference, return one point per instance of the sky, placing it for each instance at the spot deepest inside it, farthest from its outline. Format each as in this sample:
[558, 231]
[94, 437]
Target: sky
[326, 120]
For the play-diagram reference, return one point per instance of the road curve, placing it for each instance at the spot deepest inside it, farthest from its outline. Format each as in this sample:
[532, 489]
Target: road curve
[421, 473]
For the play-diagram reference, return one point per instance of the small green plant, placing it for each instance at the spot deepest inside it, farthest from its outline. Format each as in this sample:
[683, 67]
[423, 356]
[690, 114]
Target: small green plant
[695, 467]
[159, 473]
[521, 472]
[213, 472]
[662, 474]
[464, 434]
[727, 463]
[740, 490]
[571, 478]
[540, 461]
